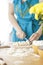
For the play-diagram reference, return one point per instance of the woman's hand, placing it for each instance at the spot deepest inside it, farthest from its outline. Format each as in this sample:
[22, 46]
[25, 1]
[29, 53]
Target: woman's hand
[20, 34]
[35, 36]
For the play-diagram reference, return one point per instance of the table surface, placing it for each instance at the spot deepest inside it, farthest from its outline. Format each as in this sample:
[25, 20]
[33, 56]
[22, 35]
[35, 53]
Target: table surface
[29, 59]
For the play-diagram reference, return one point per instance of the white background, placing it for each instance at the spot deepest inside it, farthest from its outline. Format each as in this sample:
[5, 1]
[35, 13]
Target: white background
[5, 26]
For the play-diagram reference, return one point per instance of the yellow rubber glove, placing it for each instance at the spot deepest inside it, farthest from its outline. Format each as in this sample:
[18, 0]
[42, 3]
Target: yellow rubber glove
[37, 9]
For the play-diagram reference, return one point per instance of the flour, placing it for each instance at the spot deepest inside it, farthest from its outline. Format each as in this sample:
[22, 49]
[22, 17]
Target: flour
[23, 53]
[19, 49]
[18, 62]
[38, 43]
[20, 52]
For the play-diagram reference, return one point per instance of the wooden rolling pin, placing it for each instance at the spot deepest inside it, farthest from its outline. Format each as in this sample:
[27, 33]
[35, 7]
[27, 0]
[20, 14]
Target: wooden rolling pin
[1, 47]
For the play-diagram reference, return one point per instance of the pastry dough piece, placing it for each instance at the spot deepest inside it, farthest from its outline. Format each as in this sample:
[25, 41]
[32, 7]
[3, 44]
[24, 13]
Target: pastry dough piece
[23, 43]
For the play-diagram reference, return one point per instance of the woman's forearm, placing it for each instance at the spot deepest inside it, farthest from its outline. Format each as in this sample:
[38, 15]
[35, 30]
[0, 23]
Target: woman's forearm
[14, 22]
[40, 30]
[12, 18]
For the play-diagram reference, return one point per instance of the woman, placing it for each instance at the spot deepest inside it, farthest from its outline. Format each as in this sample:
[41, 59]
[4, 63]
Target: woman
[24, 25]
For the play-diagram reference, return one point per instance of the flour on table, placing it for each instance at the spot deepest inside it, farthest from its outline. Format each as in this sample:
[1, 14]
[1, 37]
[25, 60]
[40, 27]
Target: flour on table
[20, 52]
[19, 49]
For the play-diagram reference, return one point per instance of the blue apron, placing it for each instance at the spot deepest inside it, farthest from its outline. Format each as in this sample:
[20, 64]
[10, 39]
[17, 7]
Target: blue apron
[26, 21]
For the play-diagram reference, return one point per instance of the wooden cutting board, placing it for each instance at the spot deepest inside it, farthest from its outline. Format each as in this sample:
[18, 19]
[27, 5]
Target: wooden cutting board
[30, 59]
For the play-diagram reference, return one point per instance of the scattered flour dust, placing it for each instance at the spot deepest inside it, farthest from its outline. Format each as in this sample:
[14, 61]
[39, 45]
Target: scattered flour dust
[20, 52]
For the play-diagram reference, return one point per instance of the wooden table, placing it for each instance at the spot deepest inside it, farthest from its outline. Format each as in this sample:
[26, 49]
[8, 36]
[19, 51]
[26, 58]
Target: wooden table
[30, 59]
